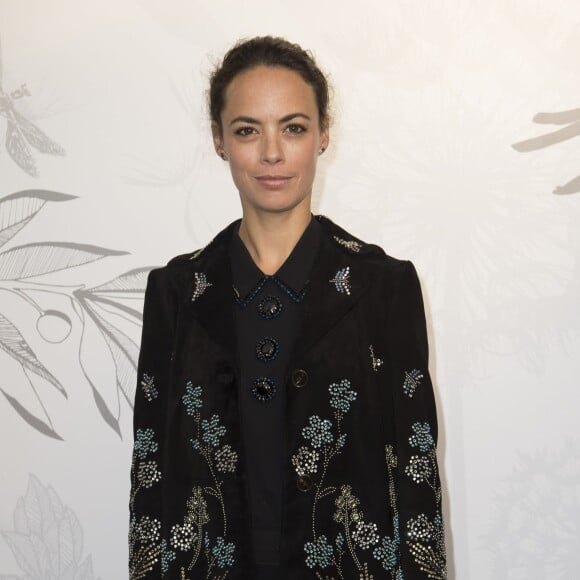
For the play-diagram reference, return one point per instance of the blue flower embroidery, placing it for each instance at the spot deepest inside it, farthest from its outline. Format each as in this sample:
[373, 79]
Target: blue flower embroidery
[341, 395]
[144, 443]
[167, 556]
[224, 552]
[319, 553]
[422, 437]
[318, 432]
[387, 553]
[192, 398]
[212, 430]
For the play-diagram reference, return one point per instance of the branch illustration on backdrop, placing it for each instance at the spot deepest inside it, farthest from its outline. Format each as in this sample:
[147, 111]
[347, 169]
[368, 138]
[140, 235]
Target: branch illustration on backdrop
[99, 310]
[569, 118]
[21, 134]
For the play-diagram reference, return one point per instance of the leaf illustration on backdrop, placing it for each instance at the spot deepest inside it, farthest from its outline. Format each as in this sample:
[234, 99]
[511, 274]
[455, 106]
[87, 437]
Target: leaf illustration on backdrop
[31, 419]
[124, 351]
[112, 419]
[47, 541]
[17, 209]
[37, 259]
[12, 342]
[125, 354]
[131, 281]
[571, 119]
[21, 263]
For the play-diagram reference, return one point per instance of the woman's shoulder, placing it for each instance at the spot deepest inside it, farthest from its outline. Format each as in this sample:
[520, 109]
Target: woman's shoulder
[365, 249]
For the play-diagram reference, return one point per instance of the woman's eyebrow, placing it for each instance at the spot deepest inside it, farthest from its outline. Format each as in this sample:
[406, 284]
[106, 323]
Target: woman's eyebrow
[285, 119]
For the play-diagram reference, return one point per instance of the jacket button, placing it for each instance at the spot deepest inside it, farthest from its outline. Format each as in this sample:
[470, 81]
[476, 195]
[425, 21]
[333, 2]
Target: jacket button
[299, 378]
[304, 482]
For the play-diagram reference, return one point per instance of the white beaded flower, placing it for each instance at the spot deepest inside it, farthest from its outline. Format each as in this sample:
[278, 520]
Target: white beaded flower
[305, 461]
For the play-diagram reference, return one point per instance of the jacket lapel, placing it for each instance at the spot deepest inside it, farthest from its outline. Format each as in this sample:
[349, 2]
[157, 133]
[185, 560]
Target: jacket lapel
[339, 278]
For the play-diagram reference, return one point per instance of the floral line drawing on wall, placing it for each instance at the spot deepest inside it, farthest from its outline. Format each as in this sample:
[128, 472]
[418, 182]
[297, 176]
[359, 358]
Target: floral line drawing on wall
[47, 540]
[569, 118]
[96, 309]
[21, 134]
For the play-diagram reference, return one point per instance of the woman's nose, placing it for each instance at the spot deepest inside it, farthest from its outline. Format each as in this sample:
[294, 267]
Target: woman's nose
[272, 150]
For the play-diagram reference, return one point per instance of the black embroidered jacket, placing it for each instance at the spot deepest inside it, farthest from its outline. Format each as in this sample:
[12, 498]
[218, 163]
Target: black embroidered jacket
[361, 489]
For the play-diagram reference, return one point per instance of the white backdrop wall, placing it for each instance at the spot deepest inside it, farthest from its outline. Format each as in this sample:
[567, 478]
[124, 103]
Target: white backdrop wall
[453, 146]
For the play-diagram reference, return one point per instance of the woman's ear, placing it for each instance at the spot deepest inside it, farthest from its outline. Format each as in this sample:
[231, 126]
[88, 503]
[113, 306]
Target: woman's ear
[325, 135]
[218, 141]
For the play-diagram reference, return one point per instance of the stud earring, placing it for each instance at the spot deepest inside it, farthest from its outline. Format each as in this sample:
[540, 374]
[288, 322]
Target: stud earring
[222, 155]
[321, 151]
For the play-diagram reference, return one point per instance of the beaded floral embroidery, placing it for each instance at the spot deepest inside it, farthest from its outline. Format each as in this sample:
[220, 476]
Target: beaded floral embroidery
[144, 534]
[200, 285]
[341, 280]
[426, 538]
[355, 536]
[358, 538]
[190, 535]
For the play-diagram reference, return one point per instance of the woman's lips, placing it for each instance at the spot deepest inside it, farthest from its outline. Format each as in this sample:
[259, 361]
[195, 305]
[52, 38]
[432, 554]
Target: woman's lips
[273, 181]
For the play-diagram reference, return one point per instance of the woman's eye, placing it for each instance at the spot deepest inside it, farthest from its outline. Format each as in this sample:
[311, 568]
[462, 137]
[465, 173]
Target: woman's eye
[294, 128]
[244, 131]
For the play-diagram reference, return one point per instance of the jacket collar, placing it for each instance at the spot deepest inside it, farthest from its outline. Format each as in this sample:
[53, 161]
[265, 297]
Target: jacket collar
[293, 272]
[341, 272]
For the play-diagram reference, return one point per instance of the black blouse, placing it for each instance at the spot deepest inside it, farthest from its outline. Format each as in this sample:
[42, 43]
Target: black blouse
[266, 320]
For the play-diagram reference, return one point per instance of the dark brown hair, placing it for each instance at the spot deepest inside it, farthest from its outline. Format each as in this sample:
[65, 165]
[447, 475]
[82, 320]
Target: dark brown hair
[269, 51]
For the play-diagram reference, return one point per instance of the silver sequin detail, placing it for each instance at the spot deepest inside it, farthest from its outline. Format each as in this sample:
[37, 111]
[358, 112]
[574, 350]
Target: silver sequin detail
[149, 388]
[200, 286]
[341, 280]
[377, 362]
[352, 245]
[183, 536]
[411, 382]
[305, 462]
[226, 459]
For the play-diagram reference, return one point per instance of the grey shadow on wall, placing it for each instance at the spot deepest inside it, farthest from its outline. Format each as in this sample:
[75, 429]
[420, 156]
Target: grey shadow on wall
[569, 118]
[21, 134]
[47, 540]
[96, 310]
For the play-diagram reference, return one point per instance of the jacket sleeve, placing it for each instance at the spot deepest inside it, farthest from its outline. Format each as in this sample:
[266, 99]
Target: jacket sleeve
[148, 554]
[418, 517]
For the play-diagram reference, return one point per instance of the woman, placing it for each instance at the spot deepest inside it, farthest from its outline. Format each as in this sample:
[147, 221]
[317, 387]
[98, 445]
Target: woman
[284, 424]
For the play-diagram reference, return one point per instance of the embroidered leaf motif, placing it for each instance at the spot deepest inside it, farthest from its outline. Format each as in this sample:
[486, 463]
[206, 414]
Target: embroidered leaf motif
[149, 388]
[411, 382]
[376, 361]
[341, 280]
[200, 285]
[352, 245]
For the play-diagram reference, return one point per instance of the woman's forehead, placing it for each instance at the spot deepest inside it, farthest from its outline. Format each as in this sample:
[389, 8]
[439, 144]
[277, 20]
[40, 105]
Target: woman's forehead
[269, 89]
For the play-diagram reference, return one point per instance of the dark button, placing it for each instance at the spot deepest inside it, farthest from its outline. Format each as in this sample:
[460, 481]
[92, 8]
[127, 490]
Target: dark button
[299, 378]
[269, 307]
[304, 482]
[263, 388]
[267, 348]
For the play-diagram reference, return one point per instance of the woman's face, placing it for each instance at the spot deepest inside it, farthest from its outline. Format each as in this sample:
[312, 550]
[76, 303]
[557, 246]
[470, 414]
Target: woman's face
[271, 137]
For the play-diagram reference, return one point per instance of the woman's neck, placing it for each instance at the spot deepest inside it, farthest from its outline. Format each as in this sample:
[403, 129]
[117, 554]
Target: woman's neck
[271, 237]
